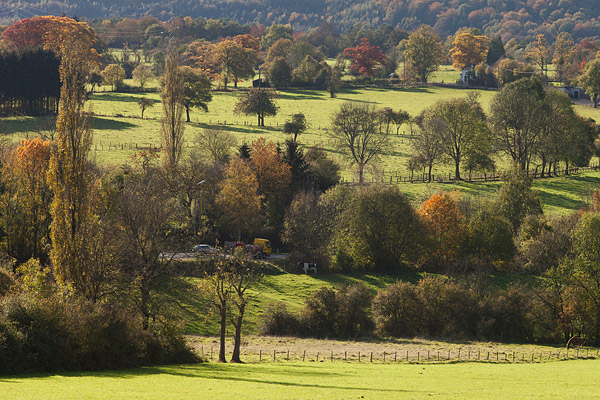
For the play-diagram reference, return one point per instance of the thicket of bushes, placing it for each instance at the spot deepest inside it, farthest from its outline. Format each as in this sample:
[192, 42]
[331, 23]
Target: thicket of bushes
[54, 334]
[435, 307]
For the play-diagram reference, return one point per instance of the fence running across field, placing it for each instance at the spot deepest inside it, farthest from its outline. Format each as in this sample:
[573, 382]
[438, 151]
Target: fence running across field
[409, 356]
[382, 177]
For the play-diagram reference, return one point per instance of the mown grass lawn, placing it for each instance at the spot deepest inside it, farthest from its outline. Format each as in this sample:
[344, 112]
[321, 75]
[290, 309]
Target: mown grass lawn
[324, 380]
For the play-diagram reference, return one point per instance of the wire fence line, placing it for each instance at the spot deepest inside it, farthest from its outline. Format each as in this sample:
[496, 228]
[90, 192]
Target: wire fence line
[210, 353]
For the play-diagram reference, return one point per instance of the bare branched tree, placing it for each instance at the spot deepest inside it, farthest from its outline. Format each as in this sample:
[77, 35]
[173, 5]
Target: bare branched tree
[360, 133]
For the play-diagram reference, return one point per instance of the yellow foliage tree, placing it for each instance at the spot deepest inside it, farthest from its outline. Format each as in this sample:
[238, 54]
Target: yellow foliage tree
[272, 173]
[238, 197]
[68, 174]
[469, 50]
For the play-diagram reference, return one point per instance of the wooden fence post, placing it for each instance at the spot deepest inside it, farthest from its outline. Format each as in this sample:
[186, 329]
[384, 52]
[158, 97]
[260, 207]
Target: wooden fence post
[304, 356]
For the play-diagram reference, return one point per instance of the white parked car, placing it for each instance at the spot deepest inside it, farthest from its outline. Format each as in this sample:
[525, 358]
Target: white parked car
[204, 249]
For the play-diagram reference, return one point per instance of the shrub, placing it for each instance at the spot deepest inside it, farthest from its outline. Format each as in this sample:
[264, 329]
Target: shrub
[52, 334]
[448, 308]
[6, 282]
[354, 308]
[507, 316]
[396, 310]
[319, 315]
[434, 307]
[278, 321]
[344, 313]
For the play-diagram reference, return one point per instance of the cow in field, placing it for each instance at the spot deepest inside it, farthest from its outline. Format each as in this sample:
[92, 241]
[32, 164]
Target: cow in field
[575, 342]
[308, 267]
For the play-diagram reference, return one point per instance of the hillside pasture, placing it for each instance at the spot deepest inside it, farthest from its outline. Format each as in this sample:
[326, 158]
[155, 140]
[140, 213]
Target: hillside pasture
[119, 131]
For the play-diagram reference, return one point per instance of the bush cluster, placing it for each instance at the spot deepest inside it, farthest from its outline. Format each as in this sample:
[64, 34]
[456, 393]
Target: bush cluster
[328, 313]
[435, 307]
[441, 308]
[53, 334]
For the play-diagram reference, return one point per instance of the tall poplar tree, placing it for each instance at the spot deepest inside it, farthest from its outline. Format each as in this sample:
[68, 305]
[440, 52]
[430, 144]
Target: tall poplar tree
[172, 125]
[68, 173]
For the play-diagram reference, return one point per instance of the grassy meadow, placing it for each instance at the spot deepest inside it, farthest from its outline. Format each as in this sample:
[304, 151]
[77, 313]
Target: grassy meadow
[575, 379]
[118, 129]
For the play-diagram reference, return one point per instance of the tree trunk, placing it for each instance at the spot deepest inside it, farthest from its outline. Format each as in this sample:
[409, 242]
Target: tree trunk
[144, 306]
[238, 335]
[543, 167]
[225, 83]
[429, 173]
[223, 313]
[597, 334]
[361, 169]
[457, 171]
[187, 113]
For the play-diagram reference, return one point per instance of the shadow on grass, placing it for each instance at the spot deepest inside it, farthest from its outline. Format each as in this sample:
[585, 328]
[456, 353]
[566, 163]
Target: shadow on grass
[302, 95]
[358, 101]
[222, 372]
[119, 97]
[240, 128]
[110, 124]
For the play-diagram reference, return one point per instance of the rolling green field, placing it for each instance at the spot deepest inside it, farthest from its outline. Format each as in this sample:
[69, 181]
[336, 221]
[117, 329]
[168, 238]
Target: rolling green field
[326, 380]
[118, 129]
[291, 289]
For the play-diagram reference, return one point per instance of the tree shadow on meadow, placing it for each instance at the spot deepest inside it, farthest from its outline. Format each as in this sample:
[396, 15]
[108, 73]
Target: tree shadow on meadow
[110, 124]
[300, 94]
[119, 97]
[244, 373]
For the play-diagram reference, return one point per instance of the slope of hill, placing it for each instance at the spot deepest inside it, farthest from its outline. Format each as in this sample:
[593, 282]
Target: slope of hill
[509, 18]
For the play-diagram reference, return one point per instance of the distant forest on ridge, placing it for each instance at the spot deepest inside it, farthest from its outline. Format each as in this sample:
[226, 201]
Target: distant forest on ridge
[509, 18]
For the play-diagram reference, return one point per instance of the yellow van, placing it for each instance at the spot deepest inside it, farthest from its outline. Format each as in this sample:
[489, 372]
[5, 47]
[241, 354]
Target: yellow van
[264, 244]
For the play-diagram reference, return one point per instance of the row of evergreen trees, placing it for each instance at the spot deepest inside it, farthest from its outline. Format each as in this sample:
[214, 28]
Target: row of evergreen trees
[29, 83]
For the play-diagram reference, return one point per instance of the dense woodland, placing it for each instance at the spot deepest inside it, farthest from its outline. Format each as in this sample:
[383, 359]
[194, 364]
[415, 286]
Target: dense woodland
[510, 19]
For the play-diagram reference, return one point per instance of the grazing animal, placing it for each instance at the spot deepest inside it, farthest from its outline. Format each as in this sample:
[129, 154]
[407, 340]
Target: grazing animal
[575, 342]
[308, 267]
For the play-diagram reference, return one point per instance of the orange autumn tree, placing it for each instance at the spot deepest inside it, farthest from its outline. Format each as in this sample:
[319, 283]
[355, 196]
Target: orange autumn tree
[200, 55]
[53, 33]
[26, 200]
[445, 222]
[239, 199]
[272, 173]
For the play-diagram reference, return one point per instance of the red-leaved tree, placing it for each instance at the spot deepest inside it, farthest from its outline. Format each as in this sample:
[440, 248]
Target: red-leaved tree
[365, 57]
